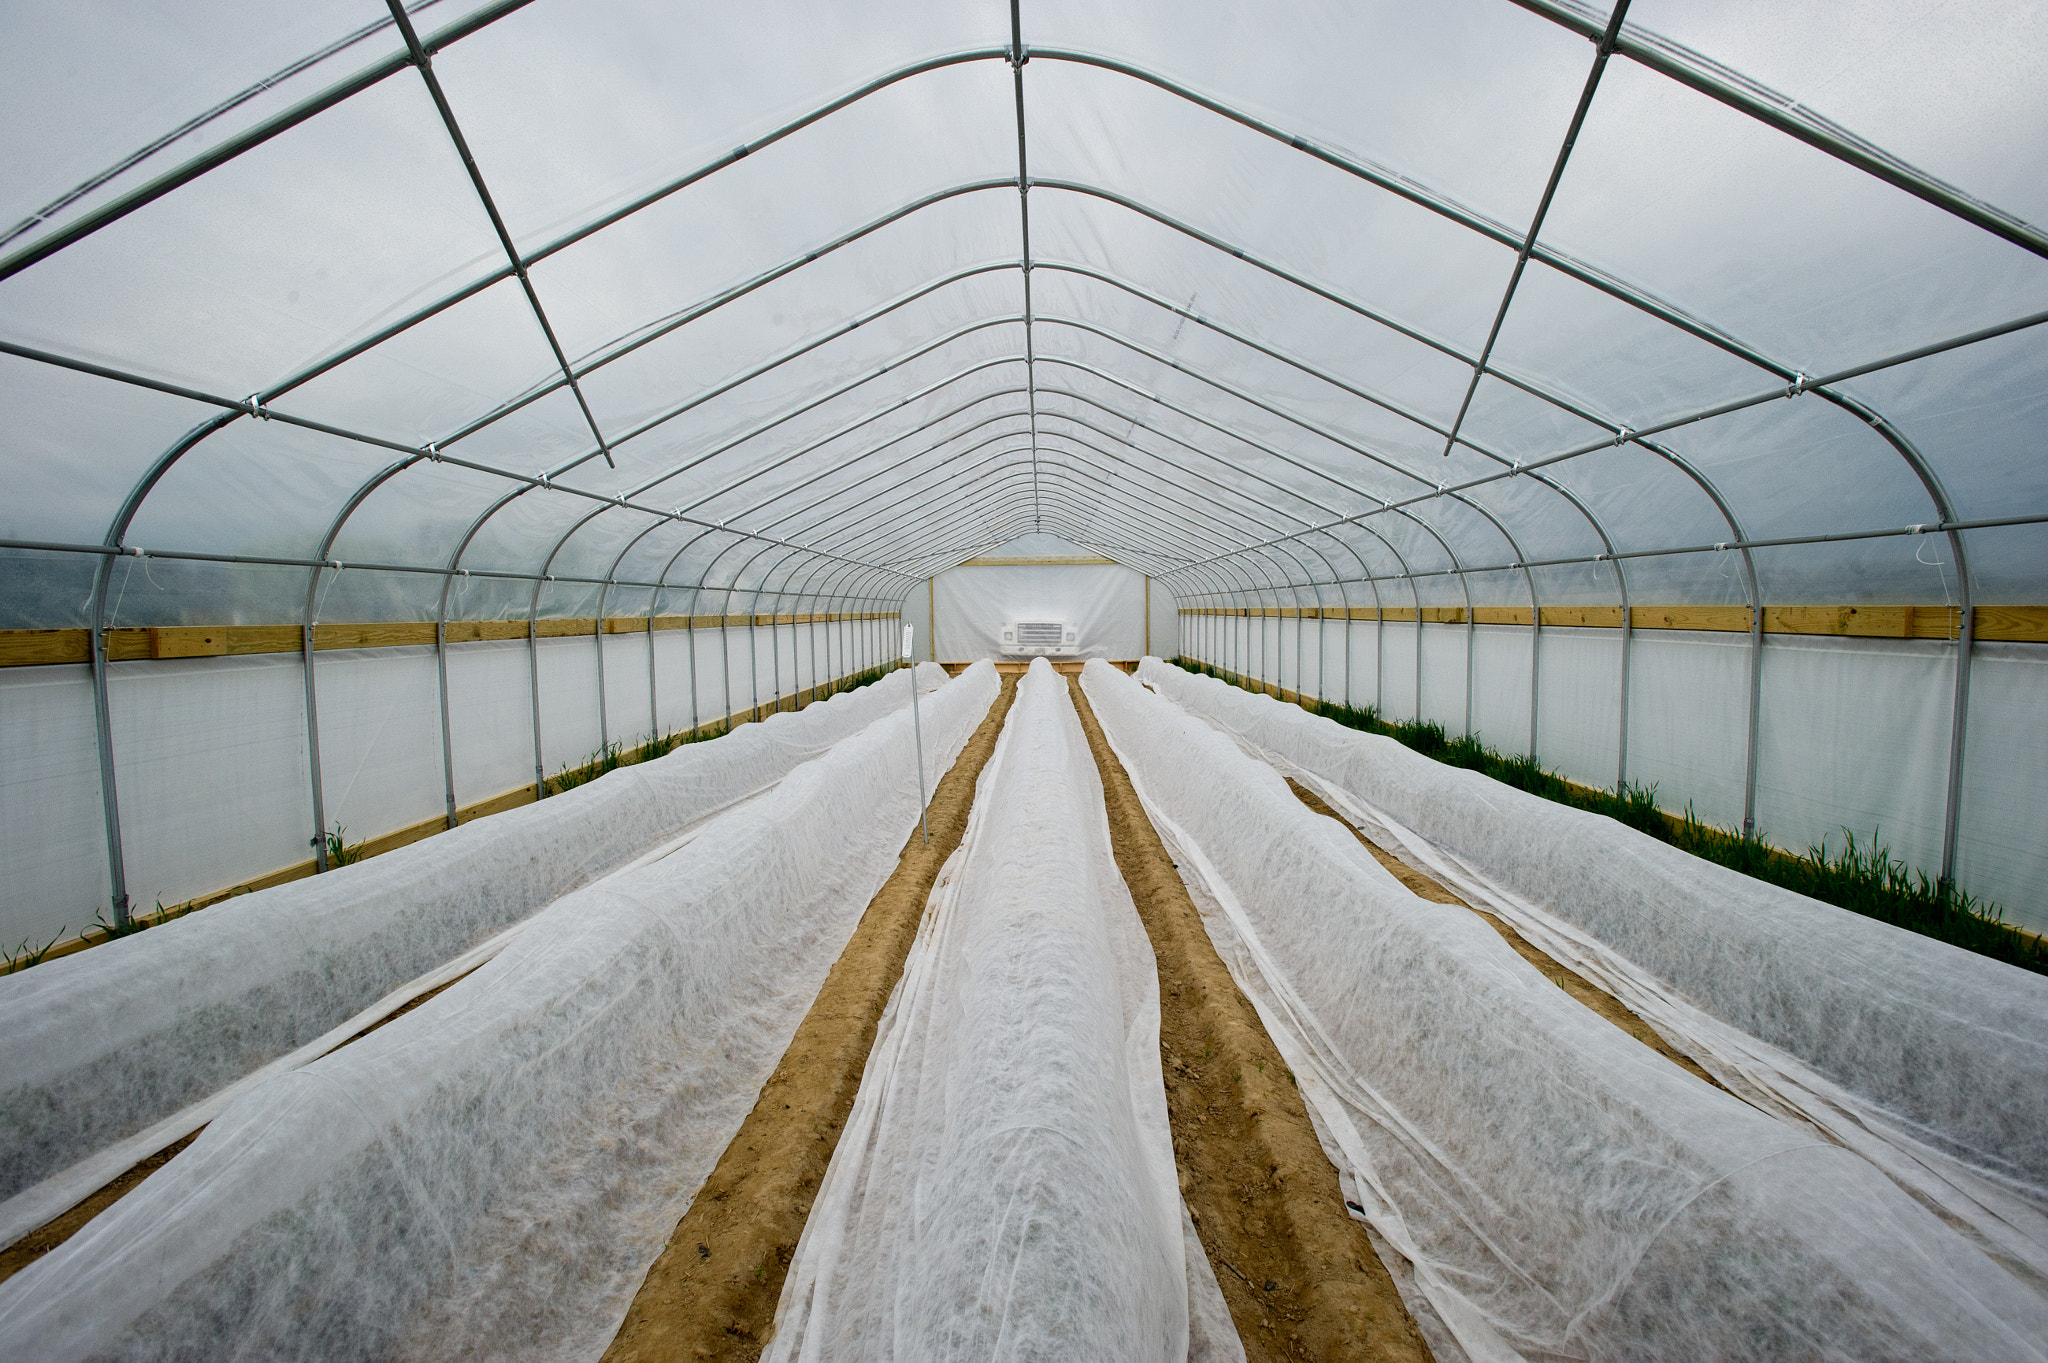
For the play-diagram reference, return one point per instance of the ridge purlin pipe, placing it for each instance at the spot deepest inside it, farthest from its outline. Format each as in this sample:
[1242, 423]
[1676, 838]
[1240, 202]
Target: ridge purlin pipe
[943, 516]
[987, 528]
[1017, 60]
[1112, 490]
[821, 526]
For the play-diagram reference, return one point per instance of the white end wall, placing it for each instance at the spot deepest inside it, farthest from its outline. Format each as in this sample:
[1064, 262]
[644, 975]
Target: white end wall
[966, 606]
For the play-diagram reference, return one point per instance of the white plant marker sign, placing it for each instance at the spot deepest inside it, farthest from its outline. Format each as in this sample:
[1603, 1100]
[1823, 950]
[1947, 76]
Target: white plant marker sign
[917, 729]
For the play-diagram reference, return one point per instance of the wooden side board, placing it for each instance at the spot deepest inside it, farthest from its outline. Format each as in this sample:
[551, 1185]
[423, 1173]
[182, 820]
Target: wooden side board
[2014, 624]
[43, 647]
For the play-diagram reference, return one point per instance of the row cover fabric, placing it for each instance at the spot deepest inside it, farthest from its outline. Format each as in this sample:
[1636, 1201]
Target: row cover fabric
[1005, 1187]
[492, 1174]
[1557, 1189]
[1928, 1057]
[96, 1046]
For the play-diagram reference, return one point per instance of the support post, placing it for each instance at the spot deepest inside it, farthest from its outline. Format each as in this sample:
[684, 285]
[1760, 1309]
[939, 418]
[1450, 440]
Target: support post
[1627, 637]
[540, 780]
[447, 735]
[313, 746]
[917, 731]
[1756, 700]
[604, 728]
[1965, 643]
[696, 724]
[117, 870]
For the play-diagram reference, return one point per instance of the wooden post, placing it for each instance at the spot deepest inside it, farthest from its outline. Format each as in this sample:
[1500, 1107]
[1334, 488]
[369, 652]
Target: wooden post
[1148, 617]
[931, 618]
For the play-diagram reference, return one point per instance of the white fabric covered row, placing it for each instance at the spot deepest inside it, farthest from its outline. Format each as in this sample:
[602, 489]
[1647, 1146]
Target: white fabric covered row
[97, 1046]
[492, 1174]
[1005, 1186]
[1936, 1053]
[1557, 1188]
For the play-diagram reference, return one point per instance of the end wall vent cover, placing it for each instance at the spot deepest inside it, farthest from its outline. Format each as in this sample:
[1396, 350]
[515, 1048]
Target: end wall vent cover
[1041, 638]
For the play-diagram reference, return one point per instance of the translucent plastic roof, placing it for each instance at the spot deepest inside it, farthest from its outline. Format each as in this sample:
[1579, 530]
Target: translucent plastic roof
[1472, 301]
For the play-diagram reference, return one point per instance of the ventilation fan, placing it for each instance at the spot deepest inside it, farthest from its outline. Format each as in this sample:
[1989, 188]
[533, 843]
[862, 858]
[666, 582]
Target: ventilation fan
[1041, 638]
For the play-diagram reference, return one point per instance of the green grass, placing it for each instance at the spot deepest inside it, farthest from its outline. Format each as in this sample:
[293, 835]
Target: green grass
[616, 755]
[1863, 878]
[24, 956]
[339, 851]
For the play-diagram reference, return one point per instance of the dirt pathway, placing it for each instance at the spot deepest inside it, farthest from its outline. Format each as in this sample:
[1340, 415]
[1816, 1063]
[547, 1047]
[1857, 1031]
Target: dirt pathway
[713, 1291]
[1574, 984]
[1298, 1272]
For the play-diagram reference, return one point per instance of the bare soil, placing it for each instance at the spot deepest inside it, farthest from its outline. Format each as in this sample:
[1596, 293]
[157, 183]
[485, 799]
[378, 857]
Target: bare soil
[713, 1291]
[1298, 1273]
[1581, 989]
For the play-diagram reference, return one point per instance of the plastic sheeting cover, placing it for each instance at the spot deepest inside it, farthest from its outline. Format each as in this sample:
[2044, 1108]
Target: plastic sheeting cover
[492, 1174]
[1559, 1189]
[99, 1045]
[1943, 1045]
[1005, 1187]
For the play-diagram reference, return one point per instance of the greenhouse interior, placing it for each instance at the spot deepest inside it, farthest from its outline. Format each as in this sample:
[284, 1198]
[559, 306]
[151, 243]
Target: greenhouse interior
[1056, 681]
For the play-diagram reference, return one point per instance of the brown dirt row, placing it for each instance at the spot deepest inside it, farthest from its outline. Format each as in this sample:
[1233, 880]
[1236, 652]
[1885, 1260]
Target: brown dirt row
[713, 1291]
[1581, 989]
[1298, 1273]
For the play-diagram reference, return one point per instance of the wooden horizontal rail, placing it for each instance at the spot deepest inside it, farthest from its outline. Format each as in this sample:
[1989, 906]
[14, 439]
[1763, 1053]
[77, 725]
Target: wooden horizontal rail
[1040, 561]
[41, 647]
[2010, 624]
